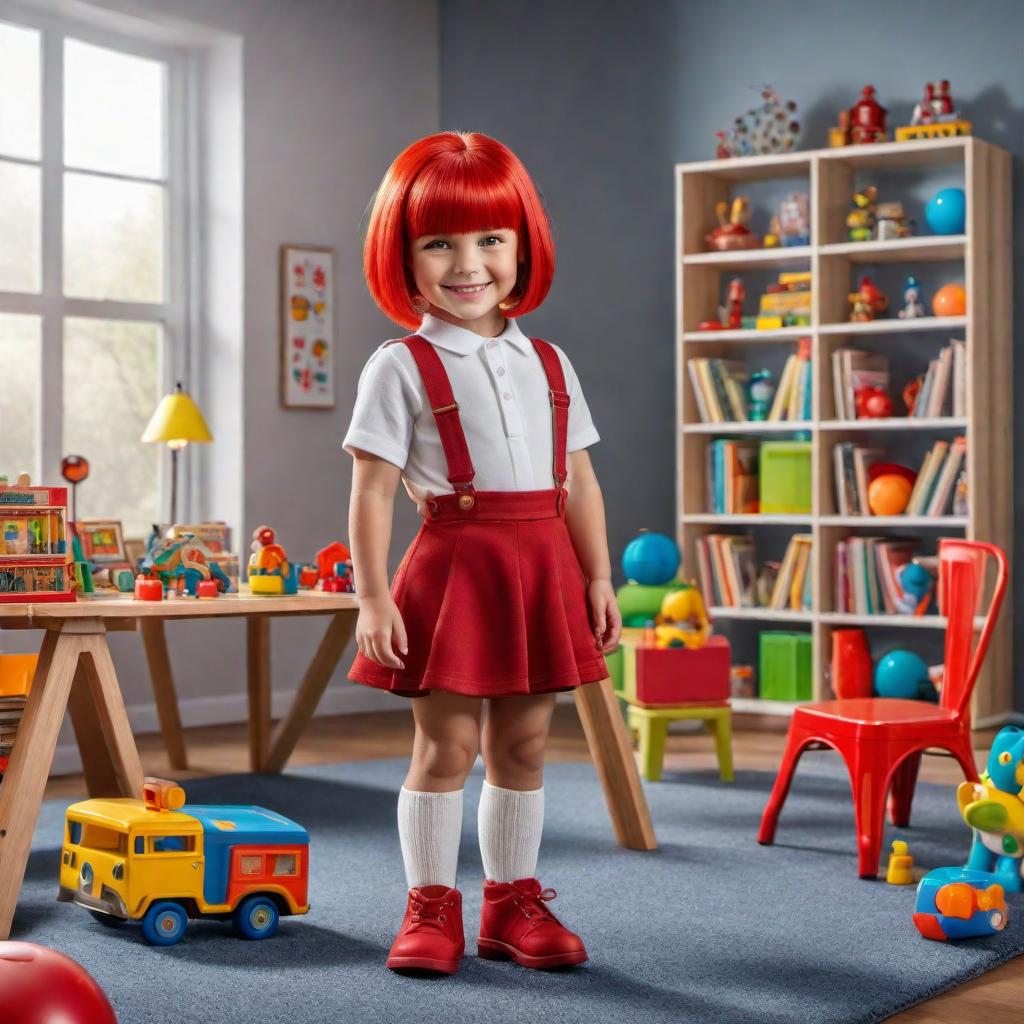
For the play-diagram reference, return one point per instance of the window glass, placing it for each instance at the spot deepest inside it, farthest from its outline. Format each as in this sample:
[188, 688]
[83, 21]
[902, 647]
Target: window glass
[173, 844]
[285, 864]
[251, 864]
[98, 837]
[20, 92]
[20, 338]
[74, 832]
[21, 227]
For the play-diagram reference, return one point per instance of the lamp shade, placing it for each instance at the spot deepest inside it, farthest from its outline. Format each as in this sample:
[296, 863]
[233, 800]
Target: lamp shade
[177, 419]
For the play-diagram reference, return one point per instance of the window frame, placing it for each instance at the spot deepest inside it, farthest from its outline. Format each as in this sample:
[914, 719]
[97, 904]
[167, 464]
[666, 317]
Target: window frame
[178, 314]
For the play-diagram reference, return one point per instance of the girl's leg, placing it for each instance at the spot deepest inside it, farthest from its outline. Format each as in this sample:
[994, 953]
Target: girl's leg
[430, 802]
[511, 814]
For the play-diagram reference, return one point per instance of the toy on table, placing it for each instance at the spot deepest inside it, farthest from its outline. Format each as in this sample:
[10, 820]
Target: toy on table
[900, 869]
[760, 392]
[74, 469]
[38, 985]
[733, 231]
[270, 572]
[891, 222]
[180, 565]
[36, 560]
[904, 675]
[917, 585]
[868, 302]
[935, 116]
[862, 219]
[334, 568]
[950, 300]
[246, 864]
[946, 212]
[913, 307]
[786, 303]
[683, 620]
[772, 127]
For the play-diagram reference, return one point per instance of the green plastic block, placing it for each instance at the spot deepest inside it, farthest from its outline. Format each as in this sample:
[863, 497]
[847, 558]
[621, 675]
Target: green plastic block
[785, 471]
[785, 665]
[639, 602]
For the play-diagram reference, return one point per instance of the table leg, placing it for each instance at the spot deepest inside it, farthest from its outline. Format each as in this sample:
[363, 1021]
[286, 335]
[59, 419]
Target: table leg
[154, 638]
[22, 790]
[257, 629]
[612, 752]
[314, 682]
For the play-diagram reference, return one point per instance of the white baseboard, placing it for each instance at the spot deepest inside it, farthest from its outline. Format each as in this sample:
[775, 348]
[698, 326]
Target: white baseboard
[344, 699]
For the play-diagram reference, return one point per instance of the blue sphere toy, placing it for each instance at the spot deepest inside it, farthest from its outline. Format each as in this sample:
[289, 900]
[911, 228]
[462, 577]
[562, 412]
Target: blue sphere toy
[946, 212]
[651, 559]
[903, 674]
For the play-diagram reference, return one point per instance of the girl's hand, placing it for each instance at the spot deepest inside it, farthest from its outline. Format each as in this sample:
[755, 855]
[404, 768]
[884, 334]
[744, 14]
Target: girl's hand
[604, 614]
[379, 630]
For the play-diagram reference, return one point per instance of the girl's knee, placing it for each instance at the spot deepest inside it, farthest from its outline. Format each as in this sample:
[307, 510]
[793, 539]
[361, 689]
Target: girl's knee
[446, 759]
[523, 755]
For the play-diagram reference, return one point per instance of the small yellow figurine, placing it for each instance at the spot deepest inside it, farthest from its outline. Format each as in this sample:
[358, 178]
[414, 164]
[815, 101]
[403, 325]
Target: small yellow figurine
[901, 863]
[683, 619]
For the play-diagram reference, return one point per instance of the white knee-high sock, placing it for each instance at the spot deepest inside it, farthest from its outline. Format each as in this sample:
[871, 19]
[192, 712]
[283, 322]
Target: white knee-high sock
[430, 827]
[510, 822]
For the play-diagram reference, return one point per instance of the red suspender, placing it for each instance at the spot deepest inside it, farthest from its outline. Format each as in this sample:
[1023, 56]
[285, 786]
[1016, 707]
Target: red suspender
[446, 409]
[559, 399]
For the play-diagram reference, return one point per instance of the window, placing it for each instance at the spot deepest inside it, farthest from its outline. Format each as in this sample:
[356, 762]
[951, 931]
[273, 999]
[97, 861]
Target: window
[286, 864]
[92, 272]
[74, 832]
[99, 837]
[250, 864]
[172, 844]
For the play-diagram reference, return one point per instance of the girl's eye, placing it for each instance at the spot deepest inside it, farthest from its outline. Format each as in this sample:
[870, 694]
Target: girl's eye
[490, 239]
[436, 243]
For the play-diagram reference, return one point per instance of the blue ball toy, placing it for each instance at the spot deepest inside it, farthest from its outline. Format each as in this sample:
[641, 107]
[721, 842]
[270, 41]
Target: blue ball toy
[903, 674]
[651, 559]
[946, 212]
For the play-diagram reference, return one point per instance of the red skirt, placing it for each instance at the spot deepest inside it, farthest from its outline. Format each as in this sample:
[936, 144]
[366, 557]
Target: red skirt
[493, 600]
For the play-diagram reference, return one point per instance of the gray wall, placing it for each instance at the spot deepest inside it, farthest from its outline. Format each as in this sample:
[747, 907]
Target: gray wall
[600, 100]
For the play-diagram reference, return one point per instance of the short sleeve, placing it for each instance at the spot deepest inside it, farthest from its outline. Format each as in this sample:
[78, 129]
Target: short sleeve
[387, 404]
[582, 433]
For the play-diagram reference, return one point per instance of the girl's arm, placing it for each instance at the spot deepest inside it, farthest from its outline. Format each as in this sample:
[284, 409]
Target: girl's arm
[584, 516]
[379, 628]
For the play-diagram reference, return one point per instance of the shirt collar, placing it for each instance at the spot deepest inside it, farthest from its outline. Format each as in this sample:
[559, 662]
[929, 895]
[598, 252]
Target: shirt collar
[463, 342]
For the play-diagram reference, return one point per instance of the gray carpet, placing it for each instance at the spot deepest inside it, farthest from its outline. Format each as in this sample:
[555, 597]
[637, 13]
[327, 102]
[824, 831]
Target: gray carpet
[710, 928]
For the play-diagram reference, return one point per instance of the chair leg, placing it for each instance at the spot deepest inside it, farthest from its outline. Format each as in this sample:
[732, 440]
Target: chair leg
[795, 744]
[653, 732]
[721, 726]
[868, 780]
[963, 751]
[901, 791]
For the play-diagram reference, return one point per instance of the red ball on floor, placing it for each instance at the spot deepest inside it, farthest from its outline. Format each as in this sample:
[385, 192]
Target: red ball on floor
[41, 986]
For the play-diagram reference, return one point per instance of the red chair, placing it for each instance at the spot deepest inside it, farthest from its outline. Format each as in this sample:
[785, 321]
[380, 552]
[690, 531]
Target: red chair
[882, 739]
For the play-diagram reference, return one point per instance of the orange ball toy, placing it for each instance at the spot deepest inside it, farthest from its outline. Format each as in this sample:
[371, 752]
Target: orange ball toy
[888, 494]
[950, 300]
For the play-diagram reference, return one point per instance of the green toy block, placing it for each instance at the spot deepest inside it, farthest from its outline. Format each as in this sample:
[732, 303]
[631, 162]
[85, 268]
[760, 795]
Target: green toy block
[613, 659]
[785, 477]
[785, 665]
[639, 602]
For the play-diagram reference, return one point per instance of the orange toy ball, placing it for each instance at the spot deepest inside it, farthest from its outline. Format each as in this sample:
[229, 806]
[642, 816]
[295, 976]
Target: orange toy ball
[950, 300]
[888, 494]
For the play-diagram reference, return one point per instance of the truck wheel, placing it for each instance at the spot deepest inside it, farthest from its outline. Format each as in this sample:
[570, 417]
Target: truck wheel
[256, 917]
[164, 924]
[107, 920]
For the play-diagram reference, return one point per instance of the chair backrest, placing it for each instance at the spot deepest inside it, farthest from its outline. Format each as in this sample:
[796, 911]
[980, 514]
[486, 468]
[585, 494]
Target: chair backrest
[961, 583]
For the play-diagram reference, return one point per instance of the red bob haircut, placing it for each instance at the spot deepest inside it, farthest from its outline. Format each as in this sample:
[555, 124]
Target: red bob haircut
[452, 183]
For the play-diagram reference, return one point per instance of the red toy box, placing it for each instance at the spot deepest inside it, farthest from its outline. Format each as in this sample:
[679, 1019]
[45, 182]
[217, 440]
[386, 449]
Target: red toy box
[676, 675]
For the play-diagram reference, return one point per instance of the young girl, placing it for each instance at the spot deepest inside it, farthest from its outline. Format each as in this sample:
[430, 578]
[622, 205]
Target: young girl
[505, 594]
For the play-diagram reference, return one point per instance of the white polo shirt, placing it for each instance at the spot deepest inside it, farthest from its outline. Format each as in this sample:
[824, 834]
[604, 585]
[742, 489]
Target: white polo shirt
[502, 393]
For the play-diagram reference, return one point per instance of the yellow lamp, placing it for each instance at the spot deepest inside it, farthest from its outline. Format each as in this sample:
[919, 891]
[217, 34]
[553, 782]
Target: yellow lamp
[177, 421]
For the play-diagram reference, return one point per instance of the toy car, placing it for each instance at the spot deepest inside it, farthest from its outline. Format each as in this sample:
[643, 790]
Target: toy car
[161, 862]
[959, 903]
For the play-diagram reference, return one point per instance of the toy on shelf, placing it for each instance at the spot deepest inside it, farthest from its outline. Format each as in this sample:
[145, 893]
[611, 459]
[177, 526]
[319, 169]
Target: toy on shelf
[913, 307]
[946, 212]
[867, 118]
[900, 870]
[935, 117]
[867, 302]
[904, 675]
[872, 403]
[772, 127]
[651, 559]
[42, 986]
[760, 392]
[36, 560]
[246, 864]
[918, 587]
[179, 564]
[892, 222]
[950, 300]
[792, 224]
[683, 620]
[730, 316]
[74, 469]
[862, 219]
[850, 667]
[733, 231]
[787, 303]
[270, 572]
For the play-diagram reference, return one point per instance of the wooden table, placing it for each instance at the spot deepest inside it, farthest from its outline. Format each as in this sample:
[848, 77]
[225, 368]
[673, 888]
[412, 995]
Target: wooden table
[76, 673]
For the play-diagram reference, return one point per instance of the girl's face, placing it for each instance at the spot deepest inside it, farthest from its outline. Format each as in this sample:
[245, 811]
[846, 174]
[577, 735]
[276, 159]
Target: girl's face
[465, 276]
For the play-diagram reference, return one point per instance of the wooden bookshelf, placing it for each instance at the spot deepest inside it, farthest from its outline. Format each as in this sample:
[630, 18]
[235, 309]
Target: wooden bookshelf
[984, 255]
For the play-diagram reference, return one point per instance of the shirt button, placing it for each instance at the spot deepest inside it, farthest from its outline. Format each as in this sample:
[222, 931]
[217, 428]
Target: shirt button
[501, 371]
[506, 395]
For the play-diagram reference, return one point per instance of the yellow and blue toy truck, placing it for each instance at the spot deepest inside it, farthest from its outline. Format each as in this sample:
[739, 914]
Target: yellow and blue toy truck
[160, 862]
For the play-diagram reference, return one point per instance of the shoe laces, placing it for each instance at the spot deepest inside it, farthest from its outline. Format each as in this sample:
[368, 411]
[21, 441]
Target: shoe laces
[532, 903]
[427, 912]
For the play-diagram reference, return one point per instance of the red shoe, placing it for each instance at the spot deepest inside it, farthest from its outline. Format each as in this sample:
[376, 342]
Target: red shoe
[430, 938]
[516, 924]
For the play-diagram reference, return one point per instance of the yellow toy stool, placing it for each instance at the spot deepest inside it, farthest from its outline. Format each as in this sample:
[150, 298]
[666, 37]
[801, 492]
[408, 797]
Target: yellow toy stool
[651, 725]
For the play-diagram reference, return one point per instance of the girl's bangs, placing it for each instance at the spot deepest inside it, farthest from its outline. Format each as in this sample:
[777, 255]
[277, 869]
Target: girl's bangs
[459, 198]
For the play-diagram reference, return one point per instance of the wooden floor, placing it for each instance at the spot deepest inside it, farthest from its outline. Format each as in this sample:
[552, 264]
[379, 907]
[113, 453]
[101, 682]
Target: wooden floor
[222, 749]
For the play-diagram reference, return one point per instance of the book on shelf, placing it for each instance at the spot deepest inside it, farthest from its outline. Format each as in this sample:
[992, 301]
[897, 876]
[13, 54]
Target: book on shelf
[944, 385]
[853, 369]
[792, 400]
[791, 589]
[719, 386]
[936, 479]
[867, 574]
[732, 476]
[851, 464]
[728, 570]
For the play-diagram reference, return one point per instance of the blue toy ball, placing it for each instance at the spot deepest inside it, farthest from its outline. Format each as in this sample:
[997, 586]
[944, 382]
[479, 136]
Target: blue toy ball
[651, 559]
[946, 212]
[903, 674]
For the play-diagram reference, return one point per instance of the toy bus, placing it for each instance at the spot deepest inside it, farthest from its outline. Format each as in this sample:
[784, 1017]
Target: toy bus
[161, 862]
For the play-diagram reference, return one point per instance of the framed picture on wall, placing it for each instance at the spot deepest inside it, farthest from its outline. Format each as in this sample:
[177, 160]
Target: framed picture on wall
[307, 327]
[102, 541]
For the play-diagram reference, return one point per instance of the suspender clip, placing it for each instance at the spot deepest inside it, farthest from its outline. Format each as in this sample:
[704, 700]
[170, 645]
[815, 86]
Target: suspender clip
[454, 407]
